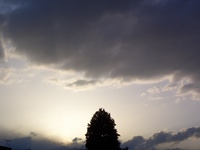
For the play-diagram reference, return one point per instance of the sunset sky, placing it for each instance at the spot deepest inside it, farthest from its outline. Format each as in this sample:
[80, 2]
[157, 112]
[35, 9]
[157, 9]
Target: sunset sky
[62, 60]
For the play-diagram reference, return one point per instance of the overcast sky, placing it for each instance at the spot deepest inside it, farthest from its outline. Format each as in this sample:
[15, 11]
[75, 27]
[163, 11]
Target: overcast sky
[62, 60]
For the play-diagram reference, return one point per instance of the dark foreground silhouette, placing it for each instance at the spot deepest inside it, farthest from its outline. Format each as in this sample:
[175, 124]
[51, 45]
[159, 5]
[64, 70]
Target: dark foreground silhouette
[101, 133]
[5, 148]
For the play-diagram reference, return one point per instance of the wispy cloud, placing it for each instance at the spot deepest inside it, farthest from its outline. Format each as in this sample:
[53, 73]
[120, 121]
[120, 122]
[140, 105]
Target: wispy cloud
[9, 76]
[191, 89]
[36, 141]
[153, 90]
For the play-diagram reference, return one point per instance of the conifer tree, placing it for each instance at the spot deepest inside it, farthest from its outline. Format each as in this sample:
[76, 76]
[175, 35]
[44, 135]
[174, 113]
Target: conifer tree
[101, 133]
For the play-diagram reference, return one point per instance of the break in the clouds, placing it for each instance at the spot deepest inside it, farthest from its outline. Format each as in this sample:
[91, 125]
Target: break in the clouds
[124, 40]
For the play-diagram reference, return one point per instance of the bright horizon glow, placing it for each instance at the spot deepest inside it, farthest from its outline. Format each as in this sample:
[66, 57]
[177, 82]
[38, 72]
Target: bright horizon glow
[57, 113]
[61, 115]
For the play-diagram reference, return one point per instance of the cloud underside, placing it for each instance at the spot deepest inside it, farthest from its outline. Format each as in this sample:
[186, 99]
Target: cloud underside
[126, 40]
[36, 141]
[156, 141]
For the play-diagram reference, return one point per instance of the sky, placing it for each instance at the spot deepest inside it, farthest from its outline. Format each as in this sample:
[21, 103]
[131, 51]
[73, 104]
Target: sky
[62, 60]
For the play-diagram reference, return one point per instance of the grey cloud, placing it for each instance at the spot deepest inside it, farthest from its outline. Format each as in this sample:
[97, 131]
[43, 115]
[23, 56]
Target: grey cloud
[80, 83]
[180, 136]
[140, 143]
[53, 80]
[2, 56]
[192, 89]
[153, 90]
[75, 140]
[33, 134]
[136, 143]
[163, 137]
[18, 141]
[5, 75]
[170, 86]
[9, 75]
[129, 40]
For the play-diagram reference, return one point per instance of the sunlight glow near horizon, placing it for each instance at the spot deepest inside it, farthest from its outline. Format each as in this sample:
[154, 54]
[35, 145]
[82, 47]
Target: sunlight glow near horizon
[64, 115]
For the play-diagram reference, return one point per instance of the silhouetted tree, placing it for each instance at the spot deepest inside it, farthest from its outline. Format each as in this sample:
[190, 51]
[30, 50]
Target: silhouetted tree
[101, 133]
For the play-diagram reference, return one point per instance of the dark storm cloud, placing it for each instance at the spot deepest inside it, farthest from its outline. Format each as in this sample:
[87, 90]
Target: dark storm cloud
[138, 39]
[140, 143]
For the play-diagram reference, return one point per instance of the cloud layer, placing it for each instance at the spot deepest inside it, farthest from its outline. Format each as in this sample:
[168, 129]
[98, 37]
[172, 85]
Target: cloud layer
[140, 143]
[126, 40]
[36, 142]
[155, 142]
